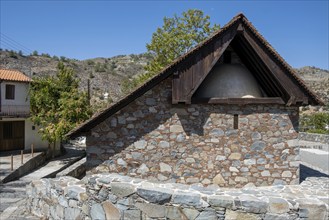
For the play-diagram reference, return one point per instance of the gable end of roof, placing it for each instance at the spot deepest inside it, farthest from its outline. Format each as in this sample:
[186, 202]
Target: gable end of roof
[170, 69]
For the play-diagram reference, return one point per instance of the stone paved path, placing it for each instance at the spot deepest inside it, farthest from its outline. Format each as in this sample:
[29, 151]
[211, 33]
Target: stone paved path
[13, 194]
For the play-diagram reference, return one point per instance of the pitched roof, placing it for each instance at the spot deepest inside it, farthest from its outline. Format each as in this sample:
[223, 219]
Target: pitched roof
[13, 75]
[170, 69]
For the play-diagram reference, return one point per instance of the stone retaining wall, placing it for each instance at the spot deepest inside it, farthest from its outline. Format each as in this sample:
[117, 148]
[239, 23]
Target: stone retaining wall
[314, 137]
[112, 196]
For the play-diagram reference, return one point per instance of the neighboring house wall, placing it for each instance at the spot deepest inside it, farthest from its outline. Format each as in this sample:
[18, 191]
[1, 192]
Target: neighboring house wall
[153, 139]
[31, 136]
[21, 100]
[18, 109]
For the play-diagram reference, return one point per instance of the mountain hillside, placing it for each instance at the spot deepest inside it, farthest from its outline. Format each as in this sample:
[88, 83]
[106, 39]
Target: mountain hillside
[317, 79]
[107, 75]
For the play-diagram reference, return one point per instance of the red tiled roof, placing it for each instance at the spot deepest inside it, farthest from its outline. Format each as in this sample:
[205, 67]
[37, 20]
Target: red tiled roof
[13, 75]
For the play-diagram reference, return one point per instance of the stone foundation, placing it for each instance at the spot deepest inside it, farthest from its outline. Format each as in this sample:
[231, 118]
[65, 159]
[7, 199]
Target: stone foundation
[153, 139]
[113, 196]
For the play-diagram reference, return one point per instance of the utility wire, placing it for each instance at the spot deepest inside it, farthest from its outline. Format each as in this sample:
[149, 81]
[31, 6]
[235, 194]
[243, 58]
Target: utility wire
[14, 44]
[9, 46]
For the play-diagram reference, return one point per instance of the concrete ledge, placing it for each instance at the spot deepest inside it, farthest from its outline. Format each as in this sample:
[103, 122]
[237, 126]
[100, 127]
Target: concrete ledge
[77, 170]
[26, 168]
[316, 159]
[53, 174]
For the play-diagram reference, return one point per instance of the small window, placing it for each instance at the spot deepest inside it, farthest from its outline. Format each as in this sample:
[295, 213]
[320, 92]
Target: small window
[33, 127]
[236, 122]
[10, 91]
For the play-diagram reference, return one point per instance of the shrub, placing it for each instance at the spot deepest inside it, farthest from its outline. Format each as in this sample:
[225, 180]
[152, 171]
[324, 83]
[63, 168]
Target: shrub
[63, 59]
[45, 55]
[100, 67]
[12, 54]
[90, 62]
[113, 65]
[315, 123]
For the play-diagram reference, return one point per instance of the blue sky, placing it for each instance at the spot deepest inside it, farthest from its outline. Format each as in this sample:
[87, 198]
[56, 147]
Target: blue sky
[298, 30]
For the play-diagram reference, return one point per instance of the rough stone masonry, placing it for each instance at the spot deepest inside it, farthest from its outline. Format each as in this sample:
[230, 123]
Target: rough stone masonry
[115, 197]
[153, 139]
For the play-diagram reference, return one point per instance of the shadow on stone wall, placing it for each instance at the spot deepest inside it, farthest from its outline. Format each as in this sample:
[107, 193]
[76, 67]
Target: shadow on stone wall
[196, 125]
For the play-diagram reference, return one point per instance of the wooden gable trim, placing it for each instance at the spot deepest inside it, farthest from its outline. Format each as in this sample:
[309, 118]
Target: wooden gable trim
[194, 70]
[309, 96]
[285, 84]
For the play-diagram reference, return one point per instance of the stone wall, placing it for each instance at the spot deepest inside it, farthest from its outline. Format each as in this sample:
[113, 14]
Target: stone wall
[322, 138]
[153, 139]
[113, 196]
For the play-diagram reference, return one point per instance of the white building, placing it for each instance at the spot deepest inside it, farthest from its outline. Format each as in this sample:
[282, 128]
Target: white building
[17, 132]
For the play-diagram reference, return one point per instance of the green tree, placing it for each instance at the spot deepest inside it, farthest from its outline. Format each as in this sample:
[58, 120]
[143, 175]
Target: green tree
[35, 53]
[57, 105]
[177, 36]
[315, 123]
[63, 59]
